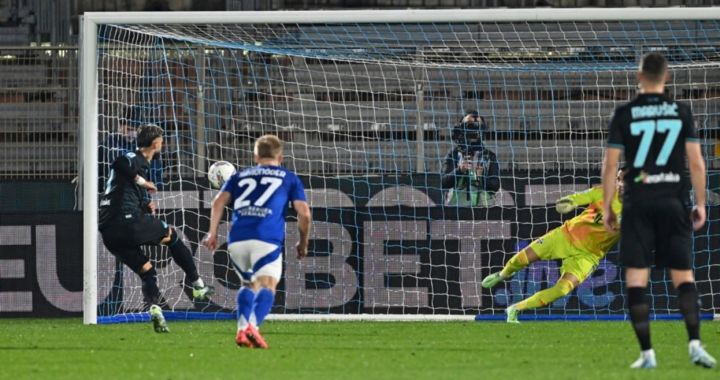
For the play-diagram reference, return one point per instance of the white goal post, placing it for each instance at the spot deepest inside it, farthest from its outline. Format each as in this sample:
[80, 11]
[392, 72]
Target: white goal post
[90, 95]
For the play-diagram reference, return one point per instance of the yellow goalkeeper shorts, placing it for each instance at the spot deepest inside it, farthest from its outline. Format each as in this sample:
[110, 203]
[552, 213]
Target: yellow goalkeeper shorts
[555, 246]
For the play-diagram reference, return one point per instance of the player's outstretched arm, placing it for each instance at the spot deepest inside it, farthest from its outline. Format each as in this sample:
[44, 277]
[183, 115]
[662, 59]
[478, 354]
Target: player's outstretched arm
[609, 178]
[304, 219]
[147, 185]
[125, 168]
[216, 212]
[697, 177]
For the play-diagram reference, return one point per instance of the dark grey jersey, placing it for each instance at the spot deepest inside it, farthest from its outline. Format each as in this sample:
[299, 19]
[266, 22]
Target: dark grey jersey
[122, 196]
[653, 129]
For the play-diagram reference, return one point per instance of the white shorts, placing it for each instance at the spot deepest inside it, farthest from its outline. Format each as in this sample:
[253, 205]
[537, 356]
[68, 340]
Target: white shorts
[253, 258]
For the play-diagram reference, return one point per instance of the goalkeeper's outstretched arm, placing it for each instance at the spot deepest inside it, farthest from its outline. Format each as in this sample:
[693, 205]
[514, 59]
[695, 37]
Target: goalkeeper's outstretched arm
[583, 198]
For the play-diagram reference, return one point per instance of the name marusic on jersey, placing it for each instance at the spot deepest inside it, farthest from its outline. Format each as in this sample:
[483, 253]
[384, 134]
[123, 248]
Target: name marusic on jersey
[654, 110]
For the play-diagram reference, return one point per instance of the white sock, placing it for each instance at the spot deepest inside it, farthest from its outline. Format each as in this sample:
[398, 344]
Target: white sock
[648, 353]
[693, 344]
[242, 323]
[198, 283]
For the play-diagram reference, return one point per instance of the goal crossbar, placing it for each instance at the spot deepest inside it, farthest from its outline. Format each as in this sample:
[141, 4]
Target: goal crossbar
[404, 16]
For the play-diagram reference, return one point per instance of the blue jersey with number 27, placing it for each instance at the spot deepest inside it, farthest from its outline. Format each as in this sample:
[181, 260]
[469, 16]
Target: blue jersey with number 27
[260, 197]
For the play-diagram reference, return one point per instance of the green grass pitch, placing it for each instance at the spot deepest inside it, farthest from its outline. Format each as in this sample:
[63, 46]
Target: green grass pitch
[203, 350]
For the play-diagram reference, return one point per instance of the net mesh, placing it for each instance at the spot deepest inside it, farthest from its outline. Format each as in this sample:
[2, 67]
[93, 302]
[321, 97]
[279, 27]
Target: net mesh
[366, 112]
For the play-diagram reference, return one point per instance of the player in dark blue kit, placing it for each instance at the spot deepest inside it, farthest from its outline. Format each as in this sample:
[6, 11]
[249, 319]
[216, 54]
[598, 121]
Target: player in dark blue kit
[127, 222]
[657, 133]
[259, 196]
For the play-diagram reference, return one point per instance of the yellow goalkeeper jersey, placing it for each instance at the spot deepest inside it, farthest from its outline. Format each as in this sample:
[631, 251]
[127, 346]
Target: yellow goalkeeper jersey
[586, 231]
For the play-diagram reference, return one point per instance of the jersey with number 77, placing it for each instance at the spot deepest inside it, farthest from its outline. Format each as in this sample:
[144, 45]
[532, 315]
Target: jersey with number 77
[653, 130]
[259, 199]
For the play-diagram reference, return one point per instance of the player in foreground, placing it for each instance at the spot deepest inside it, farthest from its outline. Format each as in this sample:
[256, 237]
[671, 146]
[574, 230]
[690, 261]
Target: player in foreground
[580, 243]
[127, 222]
[656, 134]
[259, 196]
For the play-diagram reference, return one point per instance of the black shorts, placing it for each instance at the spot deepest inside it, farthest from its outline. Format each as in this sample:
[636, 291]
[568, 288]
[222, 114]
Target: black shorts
[656, 232]
[124, 238]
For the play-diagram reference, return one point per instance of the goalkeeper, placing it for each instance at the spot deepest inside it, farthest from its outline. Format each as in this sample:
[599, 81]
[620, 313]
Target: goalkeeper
[580, 243]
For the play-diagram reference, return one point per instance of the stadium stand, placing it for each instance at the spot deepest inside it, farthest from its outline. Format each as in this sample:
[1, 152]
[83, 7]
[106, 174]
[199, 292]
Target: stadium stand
[38, 101]
[38, 113]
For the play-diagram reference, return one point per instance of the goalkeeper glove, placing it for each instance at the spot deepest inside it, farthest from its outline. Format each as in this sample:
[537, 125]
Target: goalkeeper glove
[565, 205]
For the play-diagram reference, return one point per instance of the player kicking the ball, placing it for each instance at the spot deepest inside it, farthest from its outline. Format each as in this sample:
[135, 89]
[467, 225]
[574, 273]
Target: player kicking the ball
[259, 196]
[127, 222]
[580, 243]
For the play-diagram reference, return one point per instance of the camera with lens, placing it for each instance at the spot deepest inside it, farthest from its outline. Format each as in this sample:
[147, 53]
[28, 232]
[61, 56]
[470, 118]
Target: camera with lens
[468, 134]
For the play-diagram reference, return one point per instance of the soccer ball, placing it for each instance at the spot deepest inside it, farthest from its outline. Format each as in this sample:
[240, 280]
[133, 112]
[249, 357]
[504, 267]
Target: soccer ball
[220, 172]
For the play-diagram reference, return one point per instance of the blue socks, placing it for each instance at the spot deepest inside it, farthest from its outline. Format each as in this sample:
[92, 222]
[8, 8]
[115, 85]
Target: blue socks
[245, 303]
[263, 303]
[252, 307]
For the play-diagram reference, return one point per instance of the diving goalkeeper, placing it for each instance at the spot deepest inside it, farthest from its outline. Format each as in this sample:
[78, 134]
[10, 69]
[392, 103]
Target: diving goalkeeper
[580, 243]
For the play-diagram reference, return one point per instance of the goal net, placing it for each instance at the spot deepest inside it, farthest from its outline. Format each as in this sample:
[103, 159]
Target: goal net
[365, 103]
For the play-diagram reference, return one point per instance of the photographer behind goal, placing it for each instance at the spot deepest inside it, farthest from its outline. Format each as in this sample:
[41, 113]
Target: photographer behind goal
[471, 172]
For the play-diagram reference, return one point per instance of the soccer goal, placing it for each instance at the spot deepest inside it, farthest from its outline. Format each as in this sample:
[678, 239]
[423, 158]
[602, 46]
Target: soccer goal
[365, 101]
